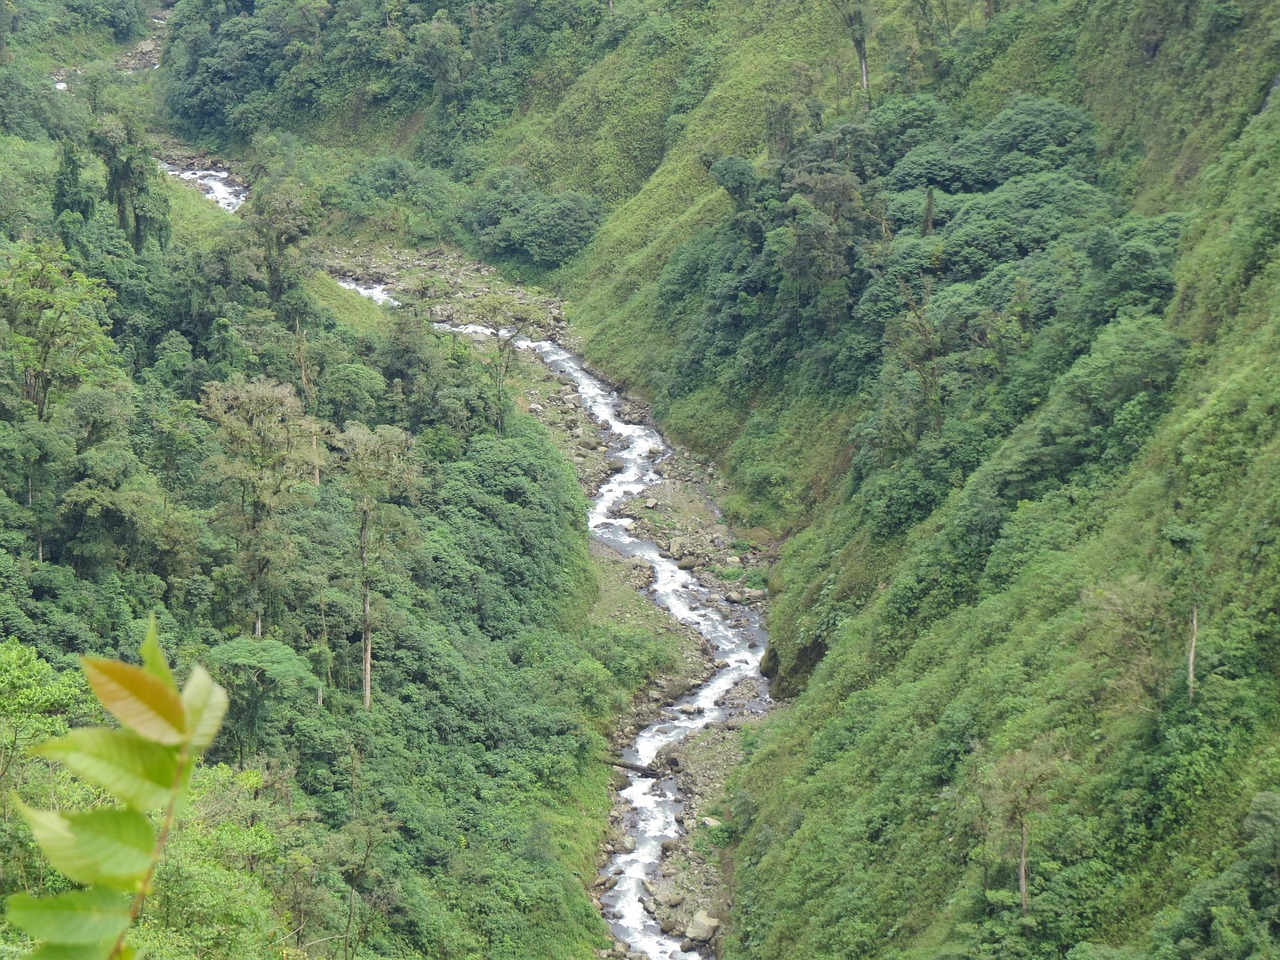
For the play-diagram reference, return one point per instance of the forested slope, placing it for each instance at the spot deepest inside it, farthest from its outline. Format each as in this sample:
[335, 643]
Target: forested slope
[991, 339]
[337, 511]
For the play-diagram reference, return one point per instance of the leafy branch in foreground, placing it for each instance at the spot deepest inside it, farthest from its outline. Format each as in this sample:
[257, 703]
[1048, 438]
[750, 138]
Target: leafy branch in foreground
[146, 766]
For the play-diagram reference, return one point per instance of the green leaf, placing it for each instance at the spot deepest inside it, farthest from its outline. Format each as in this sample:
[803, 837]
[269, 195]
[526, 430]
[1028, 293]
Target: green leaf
[153, 658]
[135, 771]
[140, 701]
[110, 847]
[206, 704]
[87, 917]
[64, 951]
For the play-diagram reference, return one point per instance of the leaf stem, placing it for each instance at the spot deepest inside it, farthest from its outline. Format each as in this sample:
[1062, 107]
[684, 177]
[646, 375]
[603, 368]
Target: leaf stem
[166, 826]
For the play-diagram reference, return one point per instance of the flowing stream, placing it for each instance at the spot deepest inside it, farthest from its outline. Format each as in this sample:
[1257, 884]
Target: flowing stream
[656, 804]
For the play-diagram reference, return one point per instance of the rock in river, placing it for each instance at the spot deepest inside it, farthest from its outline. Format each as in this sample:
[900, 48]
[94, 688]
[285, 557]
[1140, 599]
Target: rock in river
[702, 926]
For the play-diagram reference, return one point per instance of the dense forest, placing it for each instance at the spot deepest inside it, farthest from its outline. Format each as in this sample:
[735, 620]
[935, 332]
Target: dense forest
[329, 510]
[973, 302]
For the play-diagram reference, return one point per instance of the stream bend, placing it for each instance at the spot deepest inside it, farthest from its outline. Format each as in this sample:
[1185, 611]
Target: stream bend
[655, 804]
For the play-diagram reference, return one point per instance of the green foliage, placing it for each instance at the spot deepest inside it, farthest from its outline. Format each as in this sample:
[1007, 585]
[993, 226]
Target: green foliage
[291, 483]
[991, 338]
[147, 766]
[511, 218]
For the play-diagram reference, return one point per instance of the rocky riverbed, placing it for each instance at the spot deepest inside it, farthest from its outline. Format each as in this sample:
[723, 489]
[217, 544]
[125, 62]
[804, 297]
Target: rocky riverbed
[654, 505]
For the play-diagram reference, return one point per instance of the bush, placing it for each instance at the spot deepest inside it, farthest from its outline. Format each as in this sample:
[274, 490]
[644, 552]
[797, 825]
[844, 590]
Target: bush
[512, 218]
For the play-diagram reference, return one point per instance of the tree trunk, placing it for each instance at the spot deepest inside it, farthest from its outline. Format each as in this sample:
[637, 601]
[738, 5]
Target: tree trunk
[368, 625]
[1022, 867]
[1191, 654]
[301, 340]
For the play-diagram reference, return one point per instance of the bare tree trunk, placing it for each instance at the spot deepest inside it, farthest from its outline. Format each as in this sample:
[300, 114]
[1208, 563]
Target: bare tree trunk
[1022, 867]
[1191, 653]
[301, 339]
[351, 913]
[368, 625]
[31, 501]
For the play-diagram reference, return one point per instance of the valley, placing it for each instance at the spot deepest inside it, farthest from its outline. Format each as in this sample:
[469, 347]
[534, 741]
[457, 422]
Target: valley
[957, 321]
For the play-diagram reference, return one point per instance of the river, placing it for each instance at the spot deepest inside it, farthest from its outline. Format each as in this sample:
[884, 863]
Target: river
[655, 803]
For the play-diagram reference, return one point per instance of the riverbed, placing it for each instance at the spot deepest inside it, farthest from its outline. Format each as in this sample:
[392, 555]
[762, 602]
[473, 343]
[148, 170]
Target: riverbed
[733, 631]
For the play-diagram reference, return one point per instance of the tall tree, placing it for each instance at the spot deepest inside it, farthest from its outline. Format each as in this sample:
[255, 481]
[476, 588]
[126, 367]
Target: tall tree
[280, 215]
[856, 15]
[142, 211]
[377, 465]
[266, 455]
[507, 319]
[7, 12]
[1014, 791]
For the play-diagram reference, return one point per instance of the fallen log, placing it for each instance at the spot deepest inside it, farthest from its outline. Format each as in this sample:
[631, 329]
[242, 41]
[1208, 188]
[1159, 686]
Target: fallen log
[635, 768]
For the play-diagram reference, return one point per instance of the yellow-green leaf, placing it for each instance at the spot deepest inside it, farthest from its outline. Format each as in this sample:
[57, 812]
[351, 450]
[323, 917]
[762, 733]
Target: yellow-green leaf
[137, 699]
[138, 772]
[85, 917]
[110, 847]
[205, 703]
[153, 658]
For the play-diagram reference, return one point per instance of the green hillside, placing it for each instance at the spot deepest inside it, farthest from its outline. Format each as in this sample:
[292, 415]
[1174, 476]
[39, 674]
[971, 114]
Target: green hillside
[985, 344]
[338, 511]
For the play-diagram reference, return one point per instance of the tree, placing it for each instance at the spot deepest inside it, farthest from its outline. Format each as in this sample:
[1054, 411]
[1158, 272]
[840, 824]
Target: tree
[7, 12]
[1013, 792]
[1128, 623]
[494, 310]
[71, 195]
[34, 705]
[142, 212]
[856, 15]
[377, 466]
[437, 52]
[266, 454]
[280, 216]
[56, 323]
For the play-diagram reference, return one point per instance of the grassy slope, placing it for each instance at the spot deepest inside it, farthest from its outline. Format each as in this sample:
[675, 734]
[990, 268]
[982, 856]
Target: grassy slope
[849, 848]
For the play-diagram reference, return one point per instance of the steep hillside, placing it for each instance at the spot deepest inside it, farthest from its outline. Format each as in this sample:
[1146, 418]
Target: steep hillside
[975, 302]
[338, 511]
